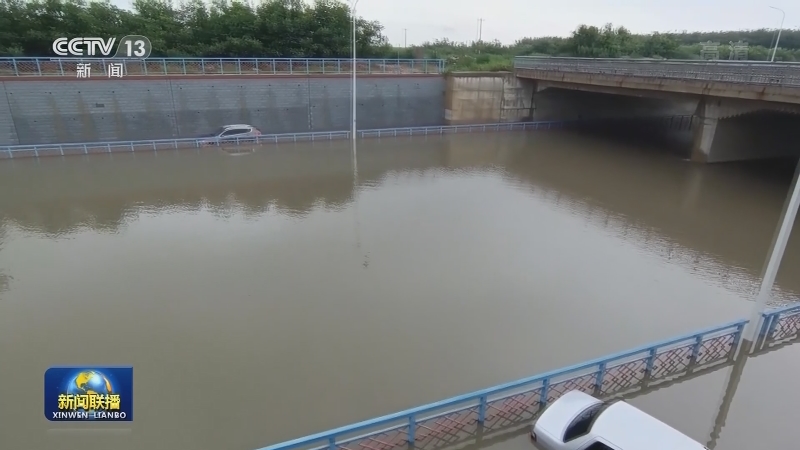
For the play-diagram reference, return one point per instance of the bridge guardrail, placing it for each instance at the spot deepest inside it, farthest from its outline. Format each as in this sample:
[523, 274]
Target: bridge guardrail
[750, 72]
[524, 399]
[59, 67]
[85, 148]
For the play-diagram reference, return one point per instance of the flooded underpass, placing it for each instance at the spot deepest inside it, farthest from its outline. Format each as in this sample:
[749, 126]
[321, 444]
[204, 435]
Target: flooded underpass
[265, 296]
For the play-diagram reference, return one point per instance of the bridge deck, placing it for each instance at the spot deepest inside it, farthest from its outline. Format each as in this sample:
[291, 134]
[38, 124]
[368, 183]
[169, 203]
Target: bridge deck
[779, 82]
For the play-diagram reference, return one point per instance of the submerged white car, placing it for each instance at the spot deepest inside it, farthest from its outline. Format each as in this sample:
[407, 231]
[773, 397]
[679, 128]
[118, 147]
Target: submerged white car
[578, 421]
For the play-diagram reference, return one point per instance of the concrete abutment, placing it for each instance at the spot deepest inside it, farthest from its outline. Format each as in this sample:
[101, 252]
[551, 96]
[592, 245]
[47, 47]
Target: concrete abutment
[728, 130]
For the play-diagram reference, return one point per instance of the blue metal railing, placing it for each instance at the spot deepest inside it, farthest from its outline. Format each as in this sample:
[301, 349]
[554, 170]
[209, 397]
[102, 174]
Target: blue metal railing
[59, 67]
[78, 148]
[523, 399]
[166, 144]
[780, 324]
[603, 377]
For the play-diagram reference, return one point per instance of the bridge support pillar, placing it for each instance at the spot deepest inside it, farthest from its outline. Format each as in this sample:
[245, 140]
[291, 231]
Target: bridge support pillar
[707, 116]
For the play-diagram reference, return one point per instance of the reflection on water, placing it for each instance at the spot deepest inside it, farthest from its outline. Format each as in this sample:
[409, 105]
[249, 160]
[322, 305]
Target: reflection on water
[296, 278]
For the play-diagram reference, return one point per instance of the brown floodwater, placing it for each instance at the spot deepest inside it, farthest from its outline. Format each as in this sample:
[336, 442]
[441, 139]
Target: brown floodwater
[264, 296]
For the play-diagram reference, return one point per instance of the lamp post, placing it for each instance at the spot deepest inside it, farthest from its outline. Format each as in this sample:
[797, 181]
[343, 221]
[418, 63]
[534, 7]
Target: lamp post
[773, 263]
[779, 32]
[353, 12]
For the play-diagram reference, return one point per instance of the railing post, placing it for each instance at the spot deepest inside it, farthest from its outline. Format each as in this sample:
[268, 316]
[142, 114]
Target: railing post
[737, 337]
[598, 382]
[38, 67]
[651, 361]
[412, 428]
[482, 409]
[544, 393]
[772, 326]
[698, 341]
[332, 443]
[766, 320]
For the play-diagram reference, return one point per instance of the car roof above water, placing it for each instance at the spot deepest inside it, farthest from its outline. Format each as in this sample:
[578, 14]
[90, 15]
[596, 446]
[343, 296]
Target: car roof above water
[629, 428]
[560, 413]
[619, 424]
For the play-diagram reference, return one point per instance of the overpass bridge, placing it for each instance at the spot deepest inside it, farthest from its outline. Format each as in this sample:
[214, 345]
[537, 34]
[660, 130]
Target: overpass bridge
[741, 106]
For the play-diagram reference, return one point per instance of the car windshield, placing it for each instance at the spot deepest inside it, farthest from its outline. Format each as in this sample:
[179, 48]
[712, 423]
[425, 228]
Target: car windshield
[581, 425]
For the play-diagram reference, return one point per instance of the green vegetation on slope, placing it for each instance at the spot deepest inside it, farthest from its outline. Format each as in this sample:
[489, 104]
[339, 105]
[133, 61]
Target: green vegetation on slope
[293, 28]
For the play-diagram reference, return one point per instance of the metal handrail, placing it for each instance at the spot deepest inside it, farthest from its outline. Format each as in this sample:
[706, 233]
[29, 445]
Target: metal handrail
[56, 67]
[749, 72]
[702, 348]
[780, 324]
[64, 149]
[644, 61]
[480, 401]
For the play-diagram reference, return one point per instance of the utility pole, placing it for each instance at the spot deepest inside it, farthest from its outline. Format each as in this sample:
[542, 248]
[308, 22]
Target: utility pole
[777, 248]
[480, 35]
[353, 12]
[405, 37]
[779, 33]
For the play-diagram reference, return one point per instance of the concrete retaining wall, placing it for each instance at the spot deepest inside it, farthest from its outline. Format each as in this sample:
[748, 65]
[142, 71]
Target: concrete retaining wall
[34, 111]
[487, 97]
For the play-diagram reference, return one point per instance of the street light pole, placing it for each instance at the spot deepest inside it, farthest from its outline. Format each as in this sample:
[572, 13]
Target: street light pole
[779, 32]
[353, 12]
[774, 261]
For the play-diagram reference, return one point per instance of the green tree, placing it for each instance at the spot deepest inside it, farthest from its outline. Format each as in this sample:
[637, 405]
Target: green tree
[295, 28]
[273, 28]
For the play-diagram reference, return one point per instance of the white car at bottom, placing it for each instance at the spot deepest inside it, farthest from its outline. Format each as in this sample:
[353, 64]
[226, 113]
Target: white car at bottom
[578, 421]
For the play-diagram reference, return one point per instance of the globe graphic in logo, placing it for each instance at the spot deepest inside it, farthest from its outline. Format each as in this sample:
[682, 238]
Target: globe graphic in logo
[90, 382]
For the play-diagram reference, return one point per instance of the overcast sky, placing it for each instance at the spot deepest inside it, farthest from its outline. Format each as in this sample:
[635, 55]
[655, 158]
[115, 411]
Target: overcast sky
[509, 20]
